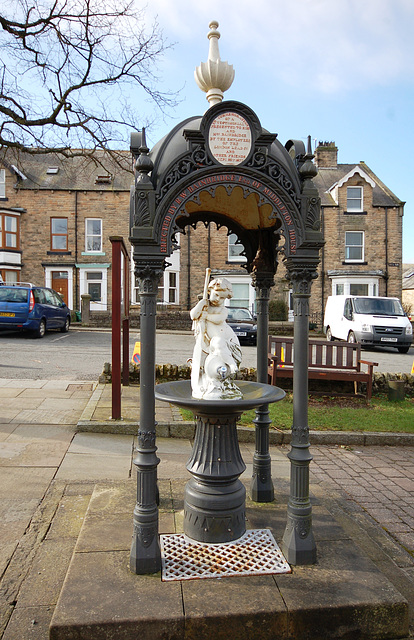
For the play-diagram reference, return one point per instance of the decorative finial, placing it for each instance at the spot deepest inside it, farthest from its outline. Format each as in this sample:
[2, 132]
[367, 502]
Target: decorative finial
[144, 164]
[214, 76]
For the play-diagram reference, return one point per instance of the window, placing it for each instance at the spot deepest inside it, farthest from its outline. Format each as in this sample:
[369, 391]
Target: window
[94, 280]
[167, 290]
[354, 246]
[358, 289]
[9, 228]
[172, 287]
[2, 183]
[59, 234]
[8, 276]
[355, 285]
[354, 199]
[93, 235]
[235, 250]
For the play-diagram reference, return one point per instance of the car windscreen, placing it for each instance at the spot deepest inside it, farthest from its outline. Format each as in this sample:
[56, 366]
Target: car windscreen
[378, 306]
[11, 294]
[239, 314]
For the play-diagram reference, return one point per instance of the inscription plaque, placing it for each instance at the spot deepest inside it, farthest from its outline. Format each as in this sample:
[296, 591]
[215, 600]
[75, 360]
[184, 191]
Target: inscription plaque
[230, 138]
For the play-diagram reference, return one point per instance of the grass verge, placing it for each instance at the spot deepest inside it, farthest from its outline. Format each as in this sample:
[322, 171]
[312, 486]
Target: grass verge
[340, 414]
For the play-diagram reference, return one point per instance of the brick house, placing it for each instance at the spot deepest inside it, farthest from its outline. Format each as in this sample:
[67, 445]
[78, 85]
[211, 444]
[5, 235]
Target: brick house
[56, 217]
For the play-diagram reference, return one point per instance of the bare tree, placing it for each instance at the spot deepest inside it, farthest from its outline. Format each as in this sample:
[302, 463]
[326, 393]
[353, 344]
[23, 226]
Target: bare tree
[71, 71]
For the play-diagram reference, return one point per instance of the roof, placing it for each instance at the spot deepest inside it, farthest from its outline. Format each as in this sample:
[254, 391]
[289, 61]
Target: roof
[94, 171]
[408, 276]
[329, 176]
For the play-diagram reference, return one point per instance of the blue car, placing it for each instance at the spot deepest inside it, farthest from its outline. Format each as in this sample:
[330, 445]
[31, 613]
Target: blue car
[25, 307]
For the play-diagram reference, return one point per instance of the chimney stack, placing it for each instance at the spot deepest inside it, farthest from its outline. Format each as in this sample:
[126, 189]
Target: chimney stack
[326, 155]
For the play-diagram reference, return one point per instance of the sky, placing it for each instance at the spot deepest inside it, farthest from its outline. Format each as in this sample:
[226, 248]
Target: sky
[337, 70]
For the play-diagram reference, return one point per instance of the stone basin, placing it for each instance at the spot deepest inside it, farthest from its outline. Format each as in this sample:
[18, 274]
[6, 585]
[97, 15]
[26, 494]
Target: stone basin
[254, 395]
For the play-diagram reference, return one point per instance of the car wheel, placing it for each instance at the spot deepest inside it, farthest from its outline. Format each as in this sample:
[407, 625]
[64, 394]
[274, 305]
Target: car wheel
[329, 334]
[403, 349]
[66, 326]
[41, 330]
[351, 337]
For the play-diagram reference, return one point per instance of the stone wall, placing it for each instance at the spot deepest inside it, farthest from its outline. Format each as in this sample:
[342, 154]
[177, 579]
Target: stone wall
[169, 372]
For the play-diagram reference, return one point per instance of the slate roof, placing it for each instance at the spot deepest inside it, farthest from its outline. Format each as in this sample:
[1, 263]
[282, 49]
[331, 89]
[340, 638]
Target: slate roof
[328, 176]
[408, 276]
[77, 173]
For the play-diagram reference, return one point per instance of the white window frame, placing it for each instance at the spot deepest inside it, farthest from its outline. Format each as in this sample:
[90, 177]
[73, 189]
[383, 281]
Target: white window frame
[236, 279]
[103, 268]
[87, 235]
[231, 242]
[2, 183]
[361, 259]
[346, 281]
[360, 207]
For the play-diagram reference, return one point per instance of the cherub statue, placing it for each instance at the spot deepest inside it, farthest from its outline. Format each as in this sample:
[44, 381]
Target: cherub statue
[217, 353]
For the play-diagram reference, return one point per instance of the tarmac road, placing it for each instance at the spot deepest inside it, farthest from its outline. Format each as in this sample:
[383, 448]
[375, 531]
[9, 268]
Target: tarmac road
[80, 354]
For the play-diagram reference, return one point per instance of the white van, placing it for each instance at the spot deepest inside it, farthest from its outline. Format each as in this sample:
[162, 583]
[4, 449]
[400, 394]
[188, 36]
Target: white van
[372, 321]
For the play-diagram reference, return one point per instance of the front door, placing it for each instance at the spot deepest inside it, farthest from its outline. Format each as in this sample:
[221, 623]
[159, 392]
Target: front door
[60, 284]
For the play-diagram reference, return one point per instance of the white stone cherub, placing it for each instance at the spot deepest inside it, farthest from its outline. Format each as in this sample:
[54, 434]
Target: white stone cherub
[217, 353]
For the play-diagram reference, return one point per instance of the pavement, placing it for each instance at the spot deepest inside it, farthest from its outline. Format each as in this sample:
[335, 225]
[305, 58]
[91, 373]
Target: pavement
[62, 457]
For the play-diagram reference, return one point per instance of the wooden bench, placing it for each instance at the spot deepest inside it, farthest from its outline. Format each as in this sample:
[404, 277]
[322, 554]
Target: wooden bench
[328, 360]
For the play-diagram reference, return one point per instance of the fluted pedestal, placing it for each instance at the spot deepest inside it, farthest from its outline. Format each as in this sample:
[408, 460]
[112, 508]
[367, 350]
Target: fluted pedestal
[214, 498]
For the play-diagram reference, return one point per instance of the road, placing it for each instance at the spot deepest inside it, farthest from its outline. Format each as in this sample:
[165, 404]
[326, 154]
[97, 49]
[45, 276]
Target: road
[80, 354]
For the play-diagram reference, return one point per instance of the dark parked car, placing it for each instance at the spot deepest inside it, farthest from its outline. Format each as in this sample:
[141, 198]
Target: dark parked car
[243, 324]
[25, 307]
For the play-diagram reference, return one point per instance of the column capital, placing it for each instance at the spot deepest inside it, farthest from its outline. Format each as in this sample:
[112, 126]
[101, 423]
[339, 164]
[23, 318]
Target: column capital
[263, 279]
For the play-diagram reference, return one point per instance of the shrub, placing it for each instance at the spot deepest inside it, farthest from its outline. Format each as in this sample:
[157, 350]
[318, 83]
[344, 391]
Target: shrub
[278, 310]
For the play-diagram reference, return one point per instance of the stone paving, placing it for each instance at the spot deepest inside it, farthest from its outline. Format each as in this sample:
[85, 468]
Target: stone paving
[48, 470]
[379, 479]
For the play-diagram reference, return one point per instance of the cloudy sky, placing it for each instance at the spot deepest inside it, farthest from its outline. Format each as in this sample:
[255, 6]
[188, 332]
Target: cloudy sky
[337, 70]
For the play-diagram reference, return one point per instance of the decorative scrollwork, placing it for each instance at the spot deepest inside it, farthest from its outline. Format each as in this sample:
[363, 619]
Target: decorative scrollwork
[141, 214]
[300, 435]
[145, 534]
[274, 170]
[194, 160]
[146, 439]
[312, 217]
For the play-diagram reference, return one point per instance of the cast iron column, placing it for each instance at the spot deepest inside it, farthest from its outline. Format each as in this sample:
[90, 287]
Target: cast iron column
[261, 488]
[298, 545]
[145, 551]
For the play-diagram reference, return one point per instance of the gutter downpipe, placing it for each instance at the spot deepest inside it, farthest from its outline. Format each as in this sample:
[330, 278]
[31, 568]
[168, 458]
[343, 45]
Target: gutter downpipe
[386, 251]
[323, 267]
[77, 301]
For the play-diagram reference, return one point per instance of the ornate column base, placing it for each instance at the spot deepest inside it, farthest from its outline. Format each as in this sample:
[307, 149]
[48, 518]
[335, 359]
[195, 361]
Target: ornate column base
[298, 544]
[145, 556]
[261, 488]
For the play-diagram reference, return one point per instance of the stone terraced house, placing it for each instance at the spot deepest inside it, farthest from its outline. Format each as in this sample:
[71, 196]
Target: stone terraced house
[57, 215]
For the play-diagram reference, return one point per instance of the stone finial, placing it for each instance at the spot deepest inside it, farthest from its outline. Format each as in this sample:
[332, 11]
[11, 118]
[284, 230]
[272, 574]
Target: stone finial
[214, 76]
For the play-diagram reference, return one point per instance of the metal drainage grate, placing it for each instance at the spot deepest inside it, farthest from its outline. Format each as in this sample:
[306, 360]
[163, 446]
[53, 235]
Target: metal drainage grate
[255, 553]
[83, 386]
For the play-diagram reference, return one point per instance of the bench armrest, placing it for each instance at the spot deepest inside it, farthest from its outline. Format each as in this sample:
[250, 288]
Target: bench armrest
[369, 363]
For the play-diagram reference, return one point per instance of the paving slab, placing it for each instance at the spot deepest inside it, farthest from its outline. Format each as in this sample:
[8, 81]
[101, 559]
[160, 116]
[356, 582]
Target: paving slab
[94, 467]
[29, 623]
[343, 595]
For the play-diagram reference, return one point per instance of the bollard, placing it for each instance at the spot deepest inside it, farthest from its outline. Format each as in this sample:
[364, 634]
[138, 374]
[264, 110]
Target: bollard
[86, 307]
